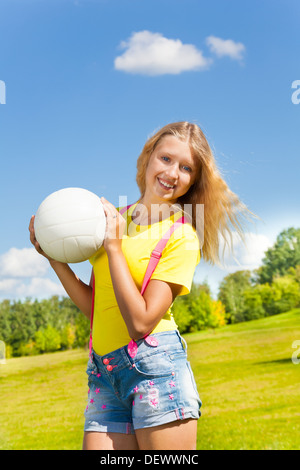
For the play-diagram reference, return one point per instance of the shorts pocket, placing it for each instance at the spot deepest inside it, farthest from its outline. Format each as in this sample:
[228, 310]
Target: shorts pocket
[157, 364]
[178, 355]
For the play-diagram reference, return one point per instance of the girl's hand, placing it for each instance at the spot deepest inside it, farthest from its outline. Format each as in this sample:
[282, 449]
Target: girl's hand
[115, 226]
[34, 240]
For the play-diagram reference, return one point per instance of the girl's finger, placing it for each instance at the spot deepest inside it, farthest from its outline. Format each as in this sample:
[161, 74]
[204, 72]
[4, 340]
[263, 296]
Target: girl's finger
[31, 223]
[109, 209]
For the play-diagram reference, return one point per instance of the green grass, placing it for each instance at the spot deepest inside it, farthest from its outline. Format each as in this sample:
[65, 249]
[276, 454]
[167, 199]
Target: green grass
[42, 401]
[248, 384]
[247, 381]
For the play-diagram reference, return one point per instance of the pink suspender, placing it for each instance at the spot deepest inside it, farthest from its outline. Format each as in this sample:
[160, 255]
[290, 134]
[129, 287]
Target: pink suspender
[157, 252]
[154, 259]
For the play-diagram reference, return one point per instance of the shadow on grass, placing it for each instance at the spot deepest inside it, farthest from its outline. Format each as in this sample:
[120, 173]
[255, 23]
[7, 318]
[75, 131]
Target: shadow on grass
[287, 360]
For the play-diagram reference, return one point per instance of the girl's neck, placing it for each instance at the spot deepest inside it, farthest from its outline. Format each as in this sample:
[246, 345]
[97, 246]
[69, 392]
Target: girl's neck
[149, 212]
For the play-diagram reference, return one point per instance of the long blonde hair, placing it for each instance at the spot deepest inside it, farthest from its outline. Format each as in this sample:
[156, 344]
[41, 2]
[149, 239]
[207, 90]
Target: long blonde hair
[223, 211]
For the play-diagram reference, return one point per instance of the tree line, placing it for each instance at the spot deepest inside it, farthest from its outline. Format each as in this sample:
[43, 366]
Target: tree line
[37, 326]
[247, 295]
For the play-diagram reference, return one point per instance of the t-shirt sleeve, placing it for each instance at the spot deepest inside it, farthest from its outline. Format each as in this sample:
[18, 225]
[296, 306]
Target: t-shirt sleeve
[179, 259]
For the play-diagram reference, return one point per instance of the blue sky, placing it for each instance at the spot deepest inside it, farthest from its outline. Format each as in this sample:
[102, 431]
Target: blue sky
[87, 81]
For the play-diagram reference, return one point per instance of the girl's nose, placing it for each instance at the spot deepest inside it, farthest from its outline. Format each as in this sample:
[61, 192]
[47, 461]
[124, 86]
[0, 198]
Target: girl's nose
[172, 171]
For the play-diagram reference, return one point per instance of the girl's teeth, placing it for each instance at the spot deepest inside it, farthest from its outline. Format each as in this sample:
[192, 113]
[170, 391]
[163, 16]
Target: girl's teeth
[166, 184]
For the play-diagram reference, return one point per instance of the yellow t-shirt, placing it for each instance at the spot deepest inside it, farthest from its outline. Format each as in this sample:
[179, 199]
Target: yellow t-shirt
[177, 265]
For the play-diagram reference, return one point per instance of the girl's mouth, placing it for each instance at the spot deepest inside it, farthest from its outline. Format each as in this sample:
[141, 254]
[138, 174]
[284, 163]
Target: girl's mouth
[165, 184]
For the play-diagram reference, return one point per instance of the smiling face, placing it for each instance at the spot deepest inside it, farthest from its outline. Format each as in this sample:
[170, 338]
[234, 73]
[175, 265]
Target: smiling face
[171, 171]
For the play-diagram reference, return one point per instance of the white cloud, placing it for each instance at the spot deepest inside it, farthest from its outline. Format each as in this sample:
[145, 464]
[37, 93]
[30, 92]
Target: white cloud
[225, 47]
[8, 285]
[35, 287]
[24, 262]
[150, 53]
[22, 274]
[40, 288]
[247, 255]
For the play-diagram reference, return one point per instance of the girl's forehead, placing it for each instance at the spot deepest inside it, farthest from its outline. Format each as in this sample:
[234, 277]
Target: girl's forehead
[174, 145]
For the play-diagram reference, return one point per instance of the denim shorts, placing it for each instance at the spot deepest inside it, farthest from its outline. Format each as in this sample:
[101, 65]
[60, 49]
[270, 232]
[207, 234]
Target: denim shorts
[156, 387]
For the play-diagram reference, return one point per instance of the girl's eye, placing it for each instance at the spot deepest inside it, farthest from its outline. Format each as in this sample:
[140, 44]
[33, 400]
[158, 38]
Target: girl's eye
[187, 168]
[166, 159]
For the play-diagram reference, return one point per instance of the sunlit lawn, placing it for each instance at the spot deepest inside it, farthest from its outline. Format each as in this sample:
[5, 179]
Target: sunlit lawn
[246, 378]
[249, 385]
[43, 400]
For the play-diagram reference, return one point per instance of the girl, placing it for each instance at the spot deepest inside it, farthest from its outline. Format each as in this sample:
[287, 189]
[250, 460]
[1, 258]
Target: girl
[142, 393]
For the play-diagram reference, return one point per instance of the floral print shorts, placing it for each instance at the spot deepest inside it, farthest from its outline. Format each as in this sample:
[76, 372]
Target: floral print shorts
[155, 387]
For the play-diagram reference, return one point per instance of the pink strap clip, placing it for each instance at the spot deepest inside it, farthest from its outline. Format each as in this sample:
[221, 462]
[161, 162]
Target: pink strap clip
[152, 341]
[132, 348]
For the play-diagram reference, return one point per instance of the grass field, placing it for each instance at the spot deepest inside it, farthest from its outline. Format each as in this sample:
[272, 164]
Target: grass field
[247, 381]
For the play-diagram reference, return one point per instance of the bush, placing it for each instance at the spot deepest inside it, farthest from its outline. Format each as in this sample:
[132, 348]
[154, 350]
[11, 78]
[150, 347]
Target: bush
[198, 311]
[47, 340]
[182, 315]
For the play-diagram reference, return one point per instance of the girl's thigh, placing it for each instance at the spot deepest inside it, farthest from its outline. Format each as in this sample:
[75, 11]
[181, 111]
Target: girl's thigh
[109, 441]
[177, 435]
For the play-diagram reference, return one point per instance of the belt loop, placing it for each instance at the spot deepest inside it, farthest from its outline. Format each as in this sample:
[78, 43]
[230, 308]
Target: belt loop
[183, 342]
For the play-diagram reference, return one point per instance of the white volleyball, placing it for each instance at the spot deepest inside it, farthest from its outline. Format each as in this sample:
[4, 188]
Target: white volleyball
[70, 225]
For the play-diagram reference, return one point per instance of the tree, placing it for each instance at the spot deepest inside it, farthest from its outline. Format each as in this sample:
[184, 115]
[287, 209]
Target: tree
[5, 325]
[286, 294]
[283, 255]
[82, 329]
[68, 336]
[231, 294]
[218, 314]
[47, 340]
[270, 299]
[294, 273]
[22, 325]
[198, 310]
[182, 314]
[253, 307]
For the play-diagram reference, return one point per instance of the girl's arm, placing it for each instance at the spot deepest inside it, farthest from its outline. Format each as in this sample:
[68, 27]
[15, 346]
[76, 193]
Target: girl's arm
[140, 313]
[79, 292]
